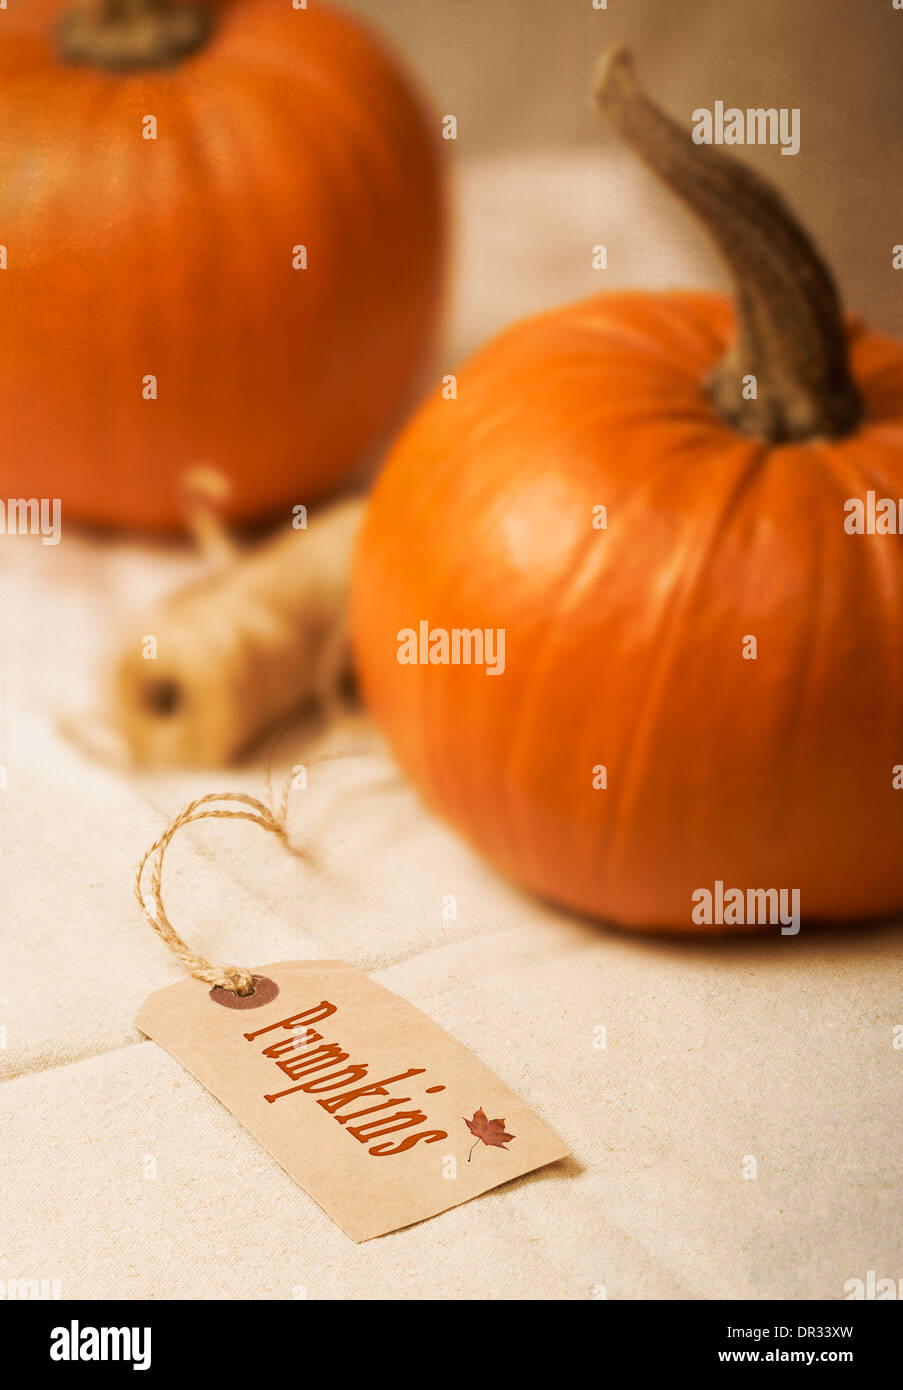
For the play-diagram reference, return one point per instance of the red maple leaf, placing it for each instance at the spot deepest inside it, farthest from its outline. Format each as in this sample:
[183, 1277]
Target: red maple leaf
[490, 1131]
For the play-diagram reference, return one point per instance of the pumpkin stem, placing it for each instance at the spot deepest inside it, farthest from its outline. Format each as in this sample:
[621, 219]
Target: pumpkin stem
[130, 34]
[790, 329]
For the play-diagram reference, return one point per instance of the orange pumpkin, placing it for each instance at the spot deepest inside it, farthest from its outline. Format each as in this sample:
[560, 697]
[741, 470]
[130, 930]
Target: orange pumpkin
[178, 257]
[638, 746]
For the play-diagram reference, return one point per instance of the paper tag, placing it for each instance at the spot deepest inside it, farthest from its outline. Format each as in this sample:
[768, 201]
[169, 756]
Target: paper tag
[377, 1112]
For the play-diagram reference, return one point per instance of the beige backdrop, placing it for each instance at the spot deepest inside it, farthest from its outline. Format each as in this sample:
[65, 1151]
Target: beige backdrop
[517, 75]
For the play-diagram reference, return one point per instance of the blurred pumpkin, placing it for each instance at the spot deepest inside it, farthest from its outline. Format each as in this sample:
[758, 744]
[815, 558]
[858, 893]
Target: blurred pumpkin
[179, 257]
[629, 755]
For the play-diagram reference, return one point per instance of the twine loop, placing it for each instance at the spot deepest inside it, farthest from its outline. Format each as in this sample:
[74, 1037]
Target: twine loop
[235, 978]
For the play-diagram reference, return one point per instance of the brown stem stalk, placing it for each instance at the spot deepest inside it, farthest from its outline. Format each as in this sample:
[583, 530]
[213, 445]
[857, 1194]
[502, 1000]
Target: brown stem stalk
[125, 35]
[790, 329]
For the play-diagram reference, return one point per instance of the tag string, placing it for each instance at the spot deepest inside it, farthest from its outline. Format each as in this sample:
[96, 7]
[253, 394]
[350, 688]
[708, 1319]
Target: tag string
[237, 979]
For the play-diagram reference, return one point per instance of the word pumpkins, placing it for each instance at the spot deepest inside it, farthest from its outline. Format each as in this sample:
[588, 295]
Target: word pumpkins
[221, 231]
[703, 677]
